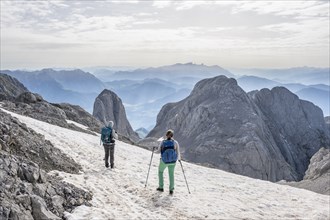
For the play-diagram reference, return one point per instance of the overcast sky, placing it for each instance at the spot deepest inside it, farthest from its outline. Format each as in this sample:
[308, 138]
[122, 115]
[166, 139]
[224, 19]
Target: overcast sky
[38, 34]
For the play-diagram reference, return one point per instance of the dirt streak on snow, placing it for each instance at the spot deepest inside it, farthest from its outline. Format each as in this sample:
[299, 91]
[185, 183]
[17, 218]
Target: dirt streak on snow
[215, 194]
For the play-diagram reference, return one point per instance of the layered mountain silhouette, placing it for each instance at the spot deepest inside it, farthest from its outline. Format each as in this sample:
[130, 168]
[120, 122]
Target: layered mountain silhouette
[143, 95]
[318, 94]
[173, 72]
[303, 75]
[256, 135]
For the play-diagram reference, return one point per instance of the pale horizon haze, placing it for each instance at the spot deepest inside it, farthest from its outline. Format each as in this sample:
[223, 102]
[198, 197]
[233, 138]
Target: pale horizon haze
[231, 34]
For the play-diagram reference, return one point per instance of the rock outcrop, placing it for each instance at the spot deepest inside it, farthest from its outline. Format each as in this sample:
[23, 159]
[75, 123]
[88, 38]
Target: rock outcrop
[26, 190]
[317, 177]
[219, 125]
[10, 87]
[108, 106]
[297, 126]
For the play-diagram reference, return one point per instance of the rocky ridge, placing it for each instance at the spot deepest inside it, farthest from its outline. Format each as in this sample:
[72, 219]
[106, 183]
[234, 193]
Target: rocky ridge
[34, 106]
[26, 190]
[10, 87]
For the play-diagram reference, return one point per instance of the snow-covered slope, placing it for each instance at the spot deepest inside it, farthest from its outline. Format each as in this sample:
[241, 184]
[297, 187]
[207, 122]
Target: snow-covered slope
[215, 194]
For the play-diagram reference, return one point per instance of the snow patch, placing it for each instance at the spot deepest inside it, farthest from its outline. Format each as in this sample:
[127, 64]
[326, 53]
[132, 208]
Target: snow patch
[215, 194]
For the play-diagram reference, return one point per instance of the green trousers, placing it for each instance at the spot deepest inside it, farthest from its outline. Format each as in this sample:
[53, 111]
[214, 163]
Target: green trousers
[161, 168]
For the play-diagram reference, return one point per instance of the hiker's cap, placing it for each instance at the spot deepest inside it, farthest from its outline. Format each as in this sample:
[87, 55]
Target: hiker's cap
[110, 124]
[170, 133]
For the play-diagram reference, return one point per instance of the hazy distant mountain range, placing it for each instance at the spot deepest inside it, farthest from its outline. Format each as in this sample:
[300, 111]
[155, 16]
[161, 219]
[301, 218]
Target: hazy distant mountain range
[319, 94]
[303, 75]
[218, 124]
[169, 73]
[71, 86]
[145, 91]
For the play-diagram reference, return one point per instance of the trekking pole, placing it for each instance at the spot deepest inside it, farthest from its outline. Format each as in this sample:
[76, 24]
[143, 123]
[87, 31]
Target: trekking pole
[150, 165]
[184, 176]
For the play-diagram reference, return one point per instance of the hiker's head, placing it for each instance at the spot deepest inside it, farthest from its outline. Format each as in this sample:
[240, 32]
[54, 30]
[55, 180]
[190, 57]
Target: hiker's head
[110, 124]
[169, 133]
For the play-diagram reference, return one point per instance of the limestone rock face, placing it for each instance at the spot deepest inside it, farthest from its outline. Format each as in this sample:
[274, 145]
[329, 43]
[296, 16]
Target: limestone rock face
[297, 126]
[108, 106]
[267, 134]
[220, 126]
[327, 124]
[317, 177]
[319, 166]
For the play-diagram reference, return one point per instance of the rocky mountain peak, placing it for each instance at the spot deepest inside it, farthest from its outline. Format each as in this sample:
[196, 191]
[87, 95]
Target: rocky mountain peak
[108, 106]
[215, 85]
[268, 134]
[220, 126]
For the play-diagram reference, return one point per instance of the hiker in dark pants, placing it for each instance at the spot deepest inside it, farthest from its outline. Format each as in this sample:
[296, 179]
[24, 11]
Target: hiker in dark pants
[170, 153]
[108, 134]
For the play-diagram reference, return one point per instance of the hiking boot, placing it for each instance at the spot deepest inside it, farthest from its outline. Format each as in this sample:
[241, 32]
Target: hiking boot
[171, 192]
[112, 165]
[107, 165]
[160, 189]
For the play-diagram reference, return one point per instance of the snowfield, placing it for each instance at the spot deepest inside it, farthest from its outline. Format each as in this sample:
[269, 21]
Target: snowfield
[215, 194]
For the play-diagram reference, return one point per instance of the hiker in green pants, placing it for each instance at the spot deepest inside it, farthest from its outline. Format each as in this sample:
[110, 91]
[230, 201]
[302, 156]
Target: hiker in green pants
[170, 153]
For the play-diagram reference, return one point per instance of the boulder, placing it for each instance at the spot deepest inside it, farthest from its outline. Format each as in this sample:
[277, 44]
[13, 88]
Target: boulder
[39, 209]
[27, 97]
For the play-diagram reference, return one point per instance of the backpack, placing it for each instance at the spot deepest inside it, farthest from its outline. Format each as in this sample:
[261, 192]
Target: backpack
[106, 135]
[168, 152]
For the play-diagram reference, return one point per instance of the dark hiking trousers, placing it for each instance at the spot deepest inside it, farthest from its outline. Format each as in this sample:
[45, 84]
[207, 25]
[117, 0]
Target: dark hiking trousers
[109, 150]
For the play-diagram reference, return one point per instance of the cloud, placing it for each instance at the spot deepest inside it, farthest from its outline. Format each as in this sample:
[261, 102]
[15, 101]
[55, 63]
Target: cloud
[161, 4]
[176, 28]
[125, 2]
[285, 8]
